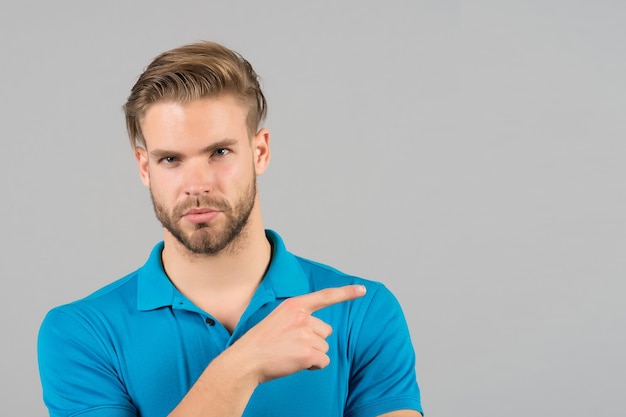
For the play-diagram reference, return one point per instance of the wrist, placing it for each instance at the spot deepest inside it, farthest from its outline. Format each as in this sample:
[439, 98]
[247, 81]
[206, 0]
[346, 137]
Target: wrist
[234, 371]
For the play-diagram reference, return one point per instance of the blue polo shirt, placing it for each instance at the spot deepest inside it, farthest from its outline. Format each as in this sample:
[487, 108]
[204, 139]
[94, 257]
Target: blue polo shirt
[135, 347]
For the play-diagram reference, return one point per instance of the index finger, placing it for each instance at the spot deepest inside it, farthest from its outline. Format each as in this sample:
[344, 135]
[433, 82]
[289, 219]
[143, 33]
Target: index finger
[329, 296]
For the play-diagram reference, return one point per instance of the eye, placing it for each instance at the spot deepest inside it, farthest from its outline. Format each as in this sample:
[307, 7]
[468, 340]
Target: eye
[221, 152]
[168, 159]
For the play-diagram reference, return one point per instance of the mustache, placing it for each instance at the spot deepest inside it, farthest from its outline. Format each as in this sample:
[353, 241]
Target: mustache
[203, 201]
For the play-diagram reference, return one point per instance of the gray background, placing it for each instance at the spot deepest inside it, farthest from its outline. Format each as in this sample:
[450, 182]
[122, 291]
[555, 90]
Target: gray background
[468, 154]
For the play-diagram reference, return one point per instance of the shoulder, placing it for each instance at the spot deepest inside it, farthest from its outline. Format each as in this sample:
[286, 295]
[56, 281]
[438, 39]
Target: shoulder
[378, 308]
[120, 296]
[322, 276]
[85, 331]
[117, 291]
[319, 275]
[107, 301]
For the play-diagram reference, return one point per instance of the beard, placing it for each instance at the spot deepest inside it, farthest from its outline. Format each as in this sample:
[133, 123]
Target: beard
[207, 238]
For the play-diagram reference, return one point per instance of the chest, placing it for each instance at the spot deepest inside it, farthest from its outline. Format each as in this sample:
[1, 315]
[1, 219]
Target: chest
[159, 364]
[226, 311]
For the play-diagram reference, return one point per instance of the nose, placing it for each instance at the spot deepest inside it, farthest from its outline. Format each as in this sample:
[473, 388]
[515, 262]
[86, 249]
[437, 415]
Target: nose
[198, 177]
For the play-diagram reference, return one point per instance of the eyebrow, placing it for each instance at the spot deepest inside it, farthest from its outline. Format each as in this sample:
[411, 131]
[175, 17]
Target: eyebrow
[224, 143]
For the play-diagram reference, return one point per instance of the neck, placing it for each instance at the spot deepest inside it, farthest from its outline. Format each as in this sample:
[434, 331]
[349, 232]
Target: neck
[238, 269]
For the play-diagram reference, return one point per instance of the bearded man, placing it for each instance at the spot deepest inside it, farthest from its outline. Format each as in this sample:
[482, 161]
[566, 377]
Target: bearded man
[221, 320]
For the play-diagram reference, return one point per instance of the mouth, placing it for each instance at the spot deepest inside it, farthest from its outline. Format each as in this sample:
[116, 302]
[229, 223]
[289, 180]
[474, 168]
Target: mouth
[200, 215]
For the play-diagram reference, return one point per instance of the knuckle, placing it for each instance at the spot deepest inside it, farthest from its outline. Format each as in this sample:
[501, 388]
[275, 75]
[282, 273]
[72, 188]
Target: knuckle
[329, 329]
[324, 361]
[307, 353]
[329, 295]
[290, 303]
[301, 318]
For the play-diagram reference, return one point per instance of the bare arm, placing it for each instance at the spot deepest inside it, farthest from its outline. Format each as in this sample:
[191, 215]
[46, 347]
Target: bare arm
[402, 413]
[288, 340]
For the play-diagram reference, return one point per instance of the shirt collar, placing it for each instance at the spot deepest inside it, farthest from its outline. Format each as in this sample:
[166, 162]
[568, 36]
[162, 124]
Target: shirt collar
[284, 277]
[154, 289]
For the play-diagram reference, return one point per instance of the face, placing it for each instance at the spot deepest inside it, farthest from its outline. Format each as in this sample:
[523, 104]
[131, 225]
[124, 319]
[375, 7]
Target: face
[200, 165]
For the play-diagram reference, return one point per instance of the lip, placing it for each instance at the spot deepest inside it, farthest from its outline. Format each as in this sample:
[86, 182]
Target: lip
[200, 215]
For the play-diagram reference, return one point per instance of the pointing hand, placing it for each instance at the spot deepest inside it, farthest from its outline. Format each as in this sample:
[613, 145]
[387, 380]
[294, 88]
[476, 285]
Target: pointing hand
[290, 339]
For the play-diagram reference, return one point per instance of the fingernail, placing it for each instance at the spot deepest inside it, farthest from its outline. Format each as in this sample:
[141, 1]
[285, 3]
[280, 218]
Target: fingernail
[361, 289]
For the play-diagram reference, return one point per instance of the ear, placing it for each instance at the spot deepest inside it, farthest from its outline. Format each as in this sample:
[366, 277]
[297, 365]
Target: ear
[141, 155]
[261, 150]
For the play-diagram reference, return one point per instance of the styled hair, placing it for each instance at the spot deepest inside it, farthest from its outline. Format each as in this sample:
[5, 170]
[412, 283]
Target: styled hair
[192, 72]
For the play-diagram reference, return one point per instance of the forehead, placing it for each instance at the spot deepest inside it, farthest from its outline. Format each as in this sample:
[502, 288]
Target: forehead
[206, 119]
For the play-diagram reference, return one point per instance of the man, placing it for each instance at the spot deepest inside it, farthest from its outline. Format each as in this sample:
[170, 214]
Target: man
[221, 320]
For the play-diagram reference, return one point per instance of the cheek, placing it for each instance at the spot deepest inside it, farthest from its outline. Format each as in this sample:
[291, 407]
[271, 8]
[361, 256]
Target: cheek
[229, 175]
[162, 185]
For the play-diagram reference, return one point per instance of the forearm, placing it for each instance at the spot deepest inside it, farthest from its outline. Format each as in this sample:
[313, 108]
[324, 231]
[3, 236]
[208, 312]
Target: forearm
[223, 389]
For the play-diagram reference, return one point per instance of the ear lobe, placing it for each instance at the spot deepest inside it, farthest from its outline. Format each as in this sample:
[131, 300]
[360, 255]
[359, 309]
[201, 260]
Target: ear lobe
[261, 149]
[141, 155]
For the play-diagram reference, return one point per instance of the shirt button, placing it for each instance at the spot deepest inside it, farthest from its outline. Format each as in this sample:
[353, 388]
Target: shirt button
[210, 321]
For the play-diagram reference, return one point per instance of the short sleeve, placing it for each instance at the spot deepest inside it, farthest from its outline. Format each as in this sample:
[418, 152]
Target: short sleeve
[77, 371]
[382, 377]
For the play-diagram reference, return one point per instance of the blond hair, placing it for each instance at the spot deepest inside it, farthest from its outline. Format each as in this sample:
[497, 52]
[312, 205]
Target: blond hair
[192, 72]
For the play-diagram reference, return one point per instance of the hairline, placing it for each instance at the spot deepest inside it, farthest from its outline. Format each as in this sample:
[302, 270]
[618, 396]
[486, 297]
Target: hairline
[140, 140]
